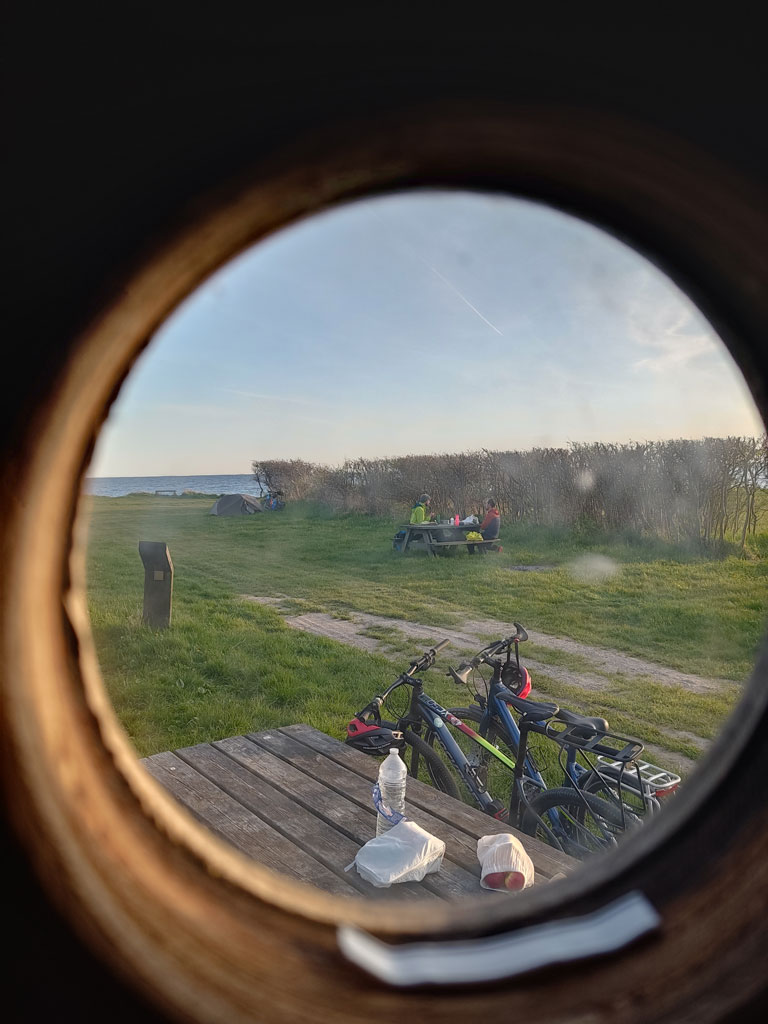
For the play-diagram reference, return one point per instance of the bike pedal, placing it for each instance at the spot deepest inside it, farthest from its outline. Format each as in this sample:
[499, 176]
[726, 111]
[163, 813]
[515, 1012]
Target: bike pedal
[499, 811]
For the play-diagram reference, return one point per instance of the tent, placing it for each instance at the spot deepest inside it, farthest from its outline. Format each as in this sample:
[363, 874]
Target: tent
[236, 505]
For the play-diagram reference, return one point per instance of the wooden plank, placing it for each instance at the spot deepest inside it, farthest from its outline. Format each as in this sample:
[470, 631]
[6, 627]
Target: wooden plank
[458, 824]
[461, 849]
[445, 812]
[227, 818]
[449, 543]
[462, 817]
[350, 820]
[307, 831]
[462, 543]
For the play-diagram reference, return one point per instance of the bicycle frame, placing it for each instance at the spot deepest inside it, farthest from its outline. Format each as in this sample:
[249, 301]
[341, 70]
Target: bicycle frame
[496, 709]
[615, 767]
[425, 713]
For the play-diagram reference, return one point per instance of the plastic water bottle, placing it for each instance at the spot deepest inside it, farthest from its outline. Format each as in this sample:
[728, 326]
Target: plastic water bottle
[456, 519]
[392, 776]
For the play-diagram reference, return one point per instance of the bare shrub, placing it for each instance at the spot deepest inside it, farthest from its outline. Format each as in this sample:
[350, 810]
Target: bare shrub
[680, 490]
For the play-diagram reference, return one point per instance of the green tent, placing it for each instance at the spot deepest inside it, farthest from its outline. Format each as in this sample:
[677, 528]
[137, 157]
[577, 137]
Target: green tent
[236, 505]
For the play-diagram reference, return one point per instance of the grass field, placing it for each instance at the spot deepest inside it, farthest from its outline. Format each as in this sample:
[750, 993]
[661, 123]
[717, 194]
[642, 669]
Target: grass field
[227, 666]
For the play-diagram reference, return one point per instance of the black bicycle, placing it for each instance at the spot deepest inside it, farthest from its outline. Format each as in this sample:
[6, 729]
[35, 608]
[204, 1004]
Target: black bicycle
[369, 732]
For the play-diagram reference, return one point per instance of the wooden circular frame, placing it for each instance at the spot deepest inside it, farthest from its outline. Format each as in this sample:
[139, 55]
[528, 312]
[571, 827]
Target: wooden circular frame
[201, 931]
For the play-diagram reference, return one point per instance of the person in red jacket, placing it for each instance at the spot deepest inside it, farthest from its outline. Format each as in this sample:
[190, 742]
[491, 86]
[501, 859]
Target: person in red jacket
[489, 527]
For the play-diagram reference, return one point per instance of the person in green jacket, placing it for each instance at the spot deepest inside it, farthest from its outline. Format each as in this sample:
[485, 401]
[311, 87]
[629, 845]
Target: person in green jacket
[419, 510]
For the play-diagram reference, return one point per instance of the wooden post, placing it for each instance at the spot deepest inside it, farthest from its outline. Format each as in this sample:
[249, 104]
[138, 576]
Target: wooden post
[158, 583]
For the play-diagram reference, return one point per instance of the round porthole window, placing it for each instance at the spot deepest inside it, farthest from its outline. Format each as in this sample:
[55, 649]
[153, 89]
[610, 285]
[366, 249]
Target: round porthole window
[187, 910]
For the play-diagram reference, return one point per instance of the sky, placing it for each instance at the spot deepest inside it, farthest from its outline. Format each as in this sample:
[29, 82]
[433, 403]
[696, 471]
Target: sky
[419, 323]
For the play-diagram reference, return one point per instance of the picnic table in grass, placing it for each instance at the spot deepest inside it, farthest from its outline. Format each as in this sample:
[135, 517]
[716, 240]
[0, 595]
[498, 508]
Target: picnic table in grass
[436, 537]
[299, 801]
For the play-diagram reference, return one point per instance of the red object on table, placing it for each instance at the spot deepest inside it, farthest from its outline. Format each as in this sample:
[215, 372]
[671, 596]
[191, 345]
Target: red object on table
[512, 880]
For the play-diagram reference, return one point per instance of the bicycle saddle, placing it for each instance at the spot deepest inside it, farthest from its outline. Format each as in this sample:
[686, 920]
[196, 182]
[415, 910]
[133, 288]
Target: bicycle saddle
[582, 721]
[534, 711]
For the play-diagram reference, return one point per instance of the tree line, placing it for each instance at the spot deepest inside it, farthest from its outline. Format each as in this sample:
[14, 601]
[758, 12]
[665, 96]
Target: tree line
[680, 490]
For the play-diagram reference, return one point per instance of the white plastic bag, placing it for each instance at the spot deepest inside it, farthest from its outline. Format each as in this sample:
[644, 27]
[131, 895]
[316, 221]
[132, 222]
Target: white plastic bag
[470, 521]
[404, 854]
[505, 865]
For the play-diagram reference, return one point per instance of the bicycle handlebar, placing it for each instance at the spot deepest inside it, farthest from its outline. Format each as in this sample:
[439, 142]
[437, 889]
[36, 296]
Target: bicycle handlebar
[427, 659]
[419, 665]
[519, 635]
[488, 653]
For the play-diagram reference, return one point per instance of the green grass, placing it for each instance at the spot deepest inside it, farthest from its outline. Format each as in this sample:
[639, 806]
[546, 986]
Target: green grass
[648, 710]
[227, 666]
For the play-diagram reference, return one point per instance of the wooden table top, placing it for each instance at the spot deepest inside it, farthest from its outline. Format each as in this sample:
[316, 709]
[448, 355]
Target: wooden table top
[299, 802]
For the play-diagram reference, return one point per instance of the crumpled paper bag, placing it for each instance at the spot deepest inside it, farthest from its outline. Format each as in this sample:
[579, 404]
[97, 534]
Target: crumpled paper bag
[407, 853]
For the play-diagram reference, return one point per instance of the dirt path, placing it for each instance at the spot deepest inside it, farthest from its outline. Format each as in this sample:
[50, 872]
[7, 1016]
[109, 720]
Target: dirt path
[474, 633]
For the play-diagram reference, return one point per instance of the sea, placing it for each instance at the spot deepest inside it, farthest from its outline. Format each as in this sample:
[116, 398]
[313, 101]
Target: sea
[118, 486]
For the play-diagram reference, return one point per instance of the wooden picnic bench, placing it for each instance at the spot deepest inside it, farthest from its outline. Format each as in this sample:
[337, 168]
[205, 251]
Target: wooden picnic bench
[299, 802]
[460, 544]
[436, 536]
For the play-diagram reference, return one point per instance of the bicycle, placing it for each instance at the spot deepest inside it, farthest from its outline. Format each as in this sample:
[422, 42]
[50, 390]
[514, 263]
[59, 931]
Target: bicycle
[613, 773]
[596, 821]
[273, 501]
[568, 816]
[367, 731]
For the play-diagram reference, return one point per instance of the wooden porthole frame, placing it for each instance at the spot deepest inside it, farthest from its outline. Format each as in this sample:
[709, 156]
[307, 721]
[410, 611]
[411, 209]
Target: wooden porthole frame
[204, 934]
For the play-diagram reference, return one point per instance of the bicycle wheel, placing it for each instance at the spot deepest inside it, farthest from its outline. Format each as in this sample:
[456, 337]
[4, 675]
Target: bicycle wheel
[627, 798]
[431, 767]
[490, 771]
[577, 823]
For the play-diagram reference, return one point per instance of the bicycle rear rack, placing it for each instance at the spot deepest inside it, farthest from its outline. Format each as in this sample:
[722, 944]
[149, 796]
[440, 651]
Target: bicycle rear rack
[659, 780]
[620, 749]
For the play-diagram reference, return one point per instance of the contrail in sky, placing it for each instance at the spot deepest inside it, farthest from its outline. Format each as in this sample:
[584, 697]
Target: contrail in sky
[445, 280]
[462, 297]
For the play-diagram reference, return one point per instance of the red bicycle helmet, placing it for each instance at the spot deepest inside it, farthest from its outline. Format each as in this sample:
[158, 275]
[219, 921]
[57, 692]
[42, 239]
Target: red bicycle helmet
[372, 739]
[518, 680]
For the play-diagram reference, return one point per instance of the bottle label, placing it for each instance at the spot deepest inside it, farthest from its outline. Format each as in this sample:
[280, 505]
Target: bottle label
[384, 809]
